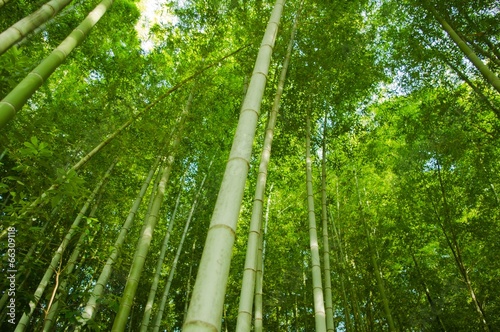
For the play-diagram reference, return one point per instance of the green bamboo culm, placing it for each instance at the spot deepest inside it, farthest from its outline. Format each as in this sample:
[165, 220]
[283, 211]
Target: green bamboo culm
[99, 288]
[244, 321]
[319, 303]
[16, 99]
[28, 24]
[488, 75]
[207, 299]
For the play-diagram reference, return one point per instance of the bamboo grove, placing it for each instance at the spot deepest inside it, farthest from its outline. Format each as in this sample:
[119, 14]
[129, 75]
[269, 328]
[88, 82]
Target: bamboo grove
[248, 165]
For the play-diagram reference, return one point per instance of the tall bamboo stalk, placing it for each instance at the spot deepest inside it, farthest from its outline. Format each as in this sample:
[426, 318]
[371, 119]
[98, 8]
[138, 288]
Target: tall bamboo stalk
[330, 326]
[89, 310]
[188, 286]
[166, 290]
[15, 100]
[464, 77]
[244, 320]
[23, 322]
[141, 252]
[319, 304]
[159, 264]
[20, 29]
[259, 275]
[205, 309]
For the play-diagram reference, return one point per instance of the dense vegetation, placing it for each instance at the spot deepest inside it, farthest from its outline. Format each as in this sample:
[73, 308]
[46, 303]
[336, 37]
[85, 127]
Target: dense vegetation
[118, 168]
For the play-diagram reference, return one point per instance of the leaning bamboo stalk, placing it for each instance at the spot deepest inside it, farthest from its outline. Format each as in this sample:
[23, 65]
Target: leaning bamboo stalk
[19, 96]
[490, 76]
[42, 27]
[152, 195]
[244, 320]
[464, 77]
[319, 305]
[154, 285]
[166, 290]
[21, 326]
[206, 306]
[15, 100]
[20, 29]
[475, 88]
[90, 308]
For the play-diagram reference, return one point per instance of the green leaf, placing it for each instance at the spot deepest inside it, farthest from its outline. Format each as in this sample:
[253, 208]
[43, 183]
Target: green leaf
[34, 140]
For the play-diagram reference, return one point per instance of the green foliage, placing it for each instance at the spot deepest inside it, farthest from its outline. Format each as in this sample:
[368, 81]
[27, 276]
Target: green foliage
[14, 66]
[34, 148]
[421, 143]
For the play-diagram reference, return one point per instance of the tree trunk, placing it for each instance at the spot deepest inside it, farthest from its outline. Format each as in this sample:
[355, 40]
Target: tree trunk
[319, 305]
[244, 320]
[89, 310]
[205, 310]
[49, 22]
[380, 283]
[15, 100]
[479, 49]
[166, 290]
[20, 29]
[23, 323]
[493, 51]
